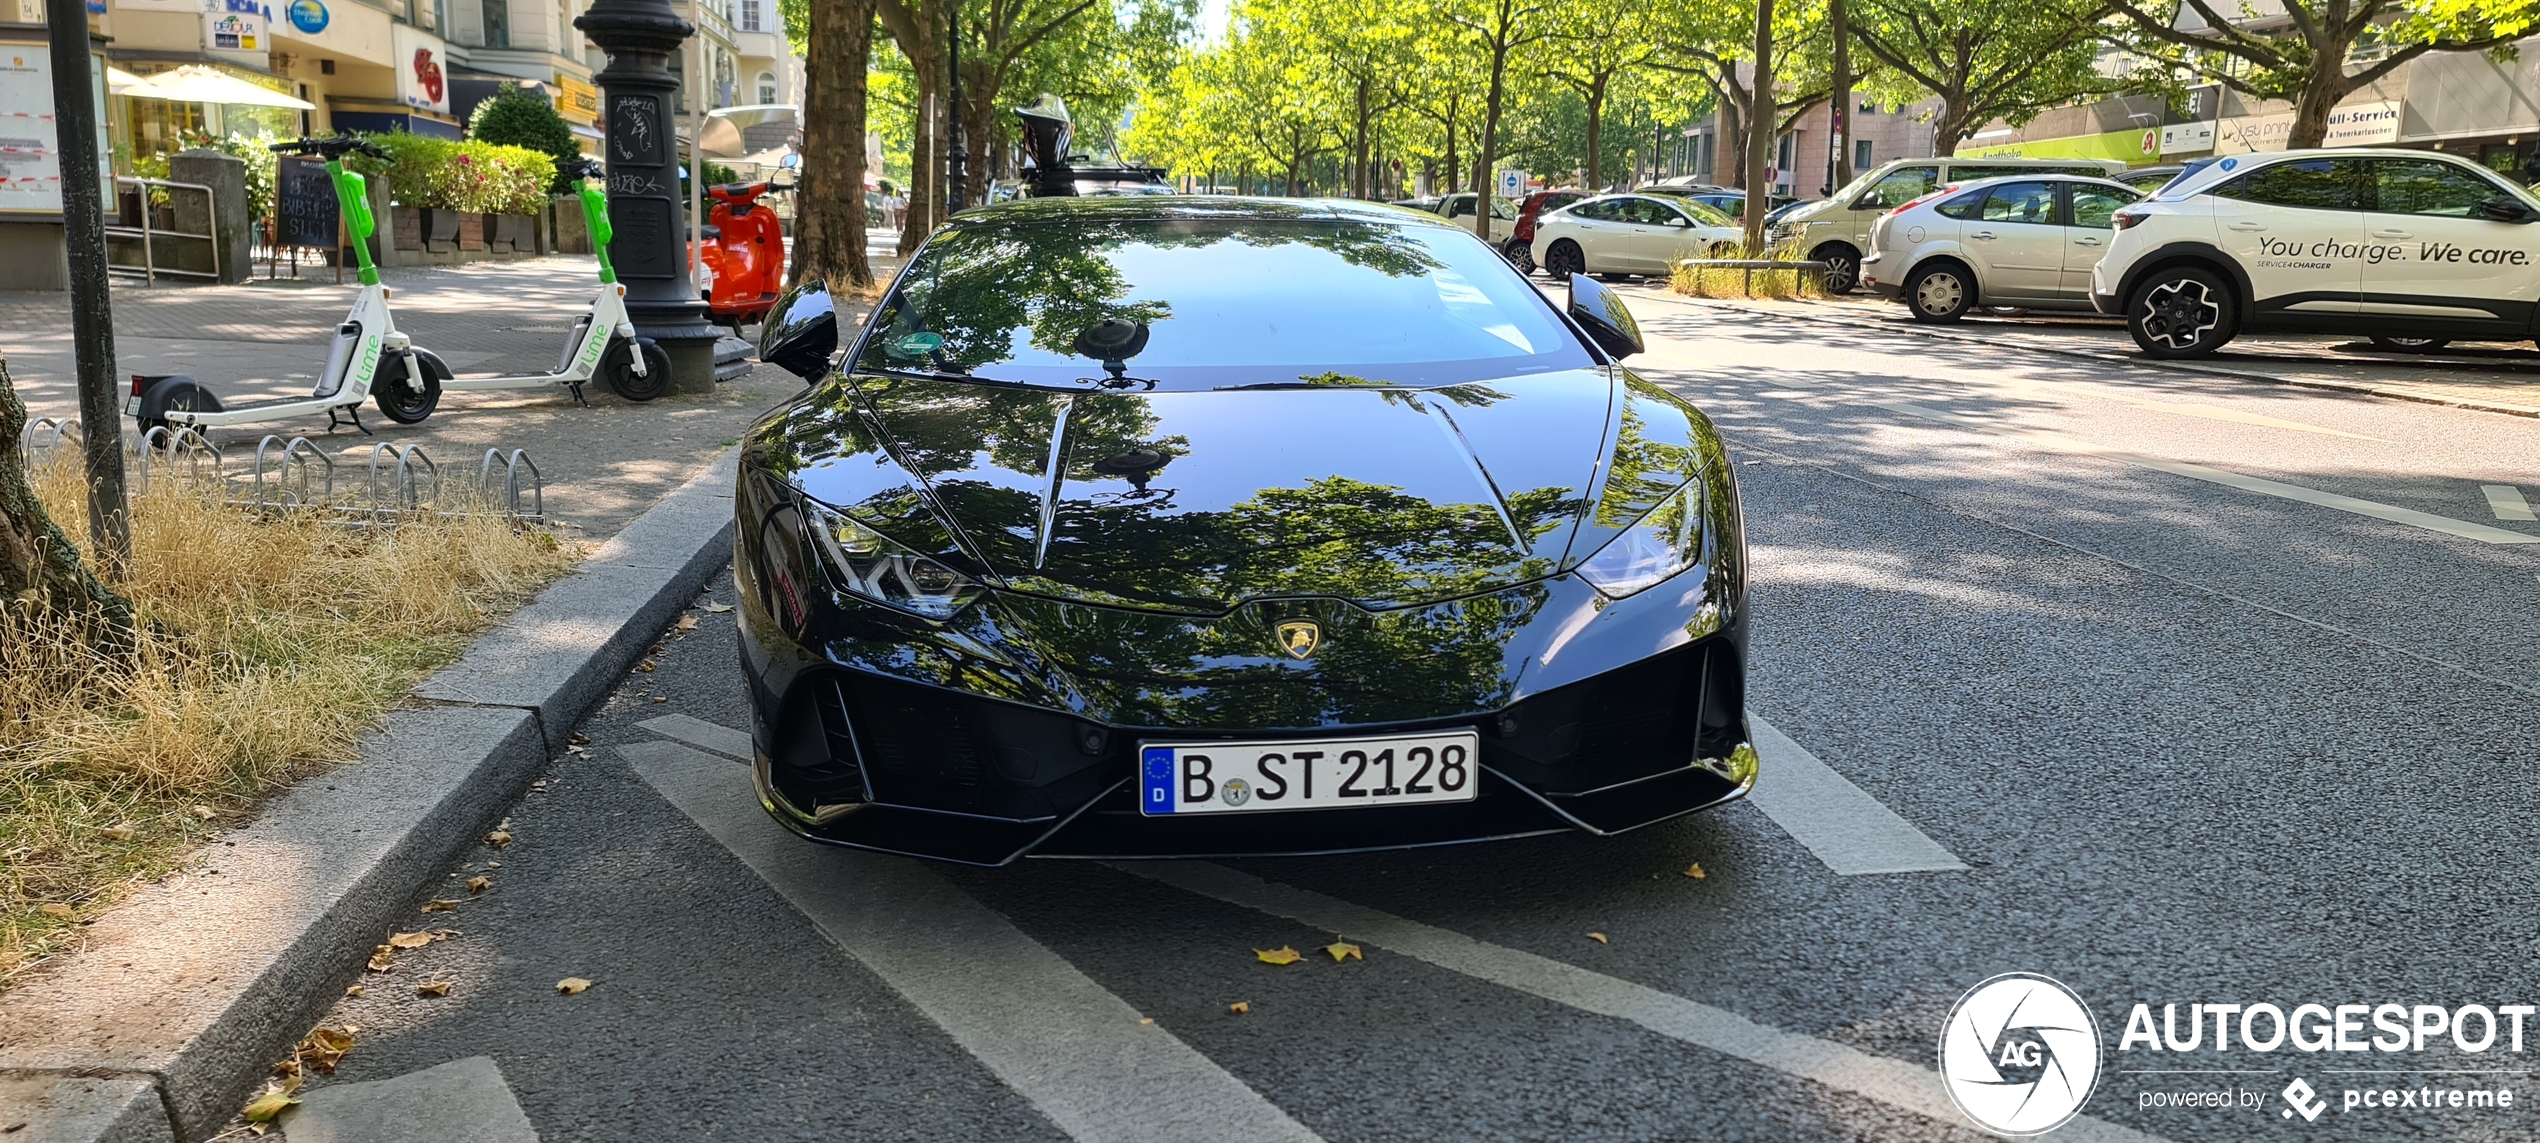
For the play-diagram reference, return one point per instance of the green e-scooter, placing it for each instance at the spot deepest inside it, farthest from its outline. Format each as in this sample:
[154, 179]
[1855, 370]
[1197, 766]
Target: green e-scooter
[370, 360]
[603, 342]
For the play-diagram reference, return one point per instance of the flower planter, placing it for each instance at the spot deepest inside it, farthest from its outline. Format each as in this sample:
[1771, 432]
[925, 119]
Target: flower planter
[512, 233]
[442, 230]
[471, 232]
[405, 228]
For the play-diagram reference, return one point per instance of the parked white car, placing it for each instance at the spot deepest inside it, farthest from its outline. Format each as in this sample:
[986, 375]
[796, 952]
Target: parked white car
[2025, 241]
[1836, 230]
[1630, 234]
[2409, 248]
[1458, 209]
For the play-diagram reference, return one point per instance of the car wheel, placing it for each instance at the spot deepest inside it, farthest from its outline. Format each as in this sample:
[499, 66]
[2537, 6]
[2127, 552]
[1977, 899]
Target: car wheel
[1519, 254]
[1843, 268]
[2182, 312]
[2410, 344]
[1563, 259]
[1939, 293]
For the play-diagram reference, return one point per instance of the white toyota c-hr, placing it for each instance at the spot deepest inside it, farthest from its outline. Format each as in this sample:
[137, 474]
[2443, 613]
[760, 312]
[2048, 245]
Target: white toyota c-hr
[2411, 248]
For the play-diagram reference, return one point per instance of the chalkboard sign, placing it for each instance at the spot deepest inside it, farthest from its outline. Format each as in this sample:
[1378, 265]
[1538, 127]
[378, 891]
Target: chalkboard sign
[308, 211]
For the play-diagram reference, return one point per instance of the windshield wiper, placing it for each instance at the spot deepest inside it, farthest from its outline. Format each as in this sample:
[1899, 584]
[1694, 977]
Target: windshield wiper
[936, 374]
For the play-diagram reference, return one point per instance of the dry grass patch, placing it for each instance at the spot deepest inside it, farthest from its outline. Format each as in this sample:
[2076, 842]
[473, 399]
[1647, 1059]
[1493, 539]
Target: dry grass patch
[1720, 282]
[268, 643]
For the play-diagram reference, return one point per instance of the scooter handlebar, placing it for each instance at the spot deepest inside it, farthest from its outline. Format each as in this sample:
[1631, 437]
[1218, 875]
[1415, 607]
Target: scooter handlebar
[333, 147]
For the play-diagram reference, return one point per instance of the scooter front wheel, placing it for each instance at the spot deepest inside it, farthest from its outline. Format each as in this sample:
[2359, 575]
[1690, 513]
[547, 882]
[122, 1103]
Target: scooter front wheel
[619, 369]
[402, 402]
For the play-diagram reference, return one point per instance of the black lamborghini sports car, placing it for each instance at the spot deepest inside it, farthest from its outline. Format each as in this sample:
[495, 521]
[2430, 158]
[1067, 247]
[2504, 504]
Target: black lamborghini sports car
[1206, 526]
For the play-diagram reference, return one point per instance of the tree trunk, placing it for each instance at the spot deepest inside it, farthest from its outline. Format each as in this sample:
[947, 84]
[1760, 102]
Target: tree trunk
[1595, 128]
[1483, 188]
[1948, 126]
[1839, 118]
[1730, 166]
[2320, 97]
[1759, 128]
[925, 182]
[829, 218]
[40, 571]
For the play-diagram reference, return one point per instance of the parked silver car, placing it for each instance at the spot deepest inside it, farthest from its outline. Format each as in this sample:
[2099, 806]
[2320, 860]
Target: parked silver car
[2024, 241]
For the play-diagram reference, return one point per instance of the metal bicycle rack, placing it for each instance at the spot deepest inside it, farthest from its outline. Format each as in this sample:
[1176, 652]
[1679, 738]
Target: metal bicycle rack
[41, 436]
[509, 495]
[162, 446]
[302, 476]
[413, 480]
[132, 200]
[294, 473]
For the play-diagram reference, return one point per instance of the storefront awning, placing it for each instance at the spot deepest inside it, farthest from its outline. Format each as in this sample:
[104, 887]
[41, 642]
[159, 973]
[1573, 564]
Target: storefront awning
[194, 83]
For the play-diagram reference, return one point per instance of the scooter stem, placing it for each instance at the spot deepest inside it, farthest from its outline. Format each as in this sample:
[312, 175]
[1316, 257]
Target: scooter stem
[595, 217]
[353, 194]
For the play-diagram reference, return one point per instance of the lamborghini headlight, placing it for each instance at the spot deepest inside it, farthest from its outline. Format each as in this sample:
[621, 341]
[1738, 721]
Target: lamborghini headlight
[1666, 541]
[871, 566]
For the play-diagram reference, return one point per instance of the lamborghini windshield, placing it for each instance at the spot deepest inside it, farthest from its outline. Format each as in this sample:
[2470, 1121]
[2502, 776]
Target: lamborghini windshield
[1204, 303]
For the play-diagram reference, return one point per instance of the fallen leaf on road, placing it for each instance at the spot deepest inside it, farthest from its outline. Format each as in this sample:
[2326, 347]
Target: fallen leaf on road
[56, 909]
[119, 832]
[659, 699]
[718, 608]
[433, 988]
[1280, 955]
[438, 906]
[1343, 950]
[1599, 938]
[416, 940]
[578, 738]
[1695, 871]
[479, 884]
[323, 1048]
[493, 865]
[1239, 1007]
[204, 813]
[687, 622]
[499, 838]
[647, 667]
[383, 959]
[264, 1107]
[355, 992]
[1146, 1019]
[572, 985]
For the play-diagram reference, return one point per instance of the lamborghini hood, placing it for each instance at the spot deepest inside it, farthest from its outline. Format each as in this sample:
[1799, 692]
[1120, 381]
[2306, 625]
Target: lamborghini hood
[1197, 502]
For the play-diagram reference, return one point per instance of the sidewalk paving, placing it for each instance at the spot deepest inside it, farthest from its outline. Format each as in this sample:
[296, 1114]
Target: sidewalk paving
[602, 465]
[2489, 376]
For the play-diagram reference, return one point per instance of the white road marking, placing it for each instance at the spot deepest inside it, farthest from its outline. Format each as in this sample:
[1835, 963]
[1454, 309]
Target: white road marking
[1052, 1034]
[2506, 502]
[463, 1099]
[2065, 442]
[699, 732]
[1894, 1082]
[1844, 826]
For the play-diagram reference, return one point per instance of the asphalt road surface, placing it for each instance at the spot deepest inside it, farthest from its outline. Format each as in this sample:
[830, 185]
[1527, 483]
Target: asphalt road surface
[2175, 688]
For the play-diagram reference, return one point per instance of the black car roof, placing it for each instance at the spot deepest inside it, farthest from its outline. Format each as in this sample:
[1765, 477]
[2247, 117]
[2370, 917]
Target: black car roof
[1163, 207]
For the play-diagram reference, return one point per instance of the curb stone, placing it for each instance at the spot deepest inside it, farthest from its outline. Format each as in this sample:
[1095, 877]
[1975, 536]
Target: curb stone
[2327, 383]
[186, 994]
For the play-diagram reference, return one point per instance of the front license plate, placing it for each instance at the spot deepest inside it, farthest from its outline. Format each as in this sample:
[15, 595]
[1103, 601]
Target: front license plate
[1335, 774]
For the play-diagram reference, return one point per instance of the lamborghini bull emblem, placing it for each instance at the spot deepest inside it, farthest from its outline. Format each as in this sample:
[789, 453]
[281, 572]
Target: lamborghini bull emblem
[1299, 637]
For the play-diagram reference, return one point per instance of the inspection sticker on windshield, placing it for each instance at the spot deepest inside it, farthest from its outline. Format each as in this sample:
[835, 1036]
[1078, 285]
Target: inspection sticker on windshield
[1336, 774]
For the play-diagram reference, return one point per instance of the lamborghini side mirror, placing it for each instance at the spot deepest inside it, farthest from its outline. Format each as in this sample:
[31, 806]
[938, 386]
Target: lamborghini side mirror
[800, 333]
[1601, 313]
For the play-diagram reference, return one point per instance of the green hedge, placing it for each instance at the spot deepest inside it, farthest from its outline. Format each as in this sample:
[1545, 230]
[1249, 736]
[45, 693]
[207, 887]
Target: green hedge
[446, 174]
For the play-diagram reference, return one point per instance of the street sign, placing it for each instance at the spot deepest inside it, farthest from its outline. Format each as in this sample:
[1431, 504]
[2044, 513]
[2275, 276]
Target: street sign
[1512, 183]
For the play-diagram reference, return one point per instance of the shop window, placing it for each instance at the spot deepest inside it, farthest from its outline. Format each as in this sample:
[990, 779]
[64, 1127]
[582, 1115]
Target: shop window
[498, 23]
